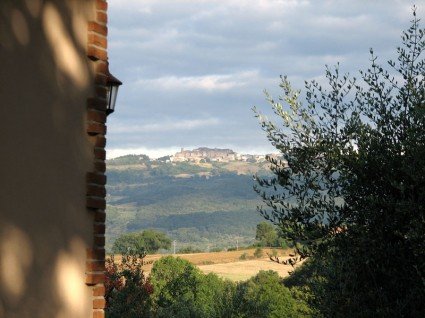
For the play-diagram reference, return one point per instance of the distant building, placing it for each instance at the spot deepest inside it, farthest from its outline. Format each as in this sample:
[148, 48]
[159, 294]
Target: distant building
[204, 154]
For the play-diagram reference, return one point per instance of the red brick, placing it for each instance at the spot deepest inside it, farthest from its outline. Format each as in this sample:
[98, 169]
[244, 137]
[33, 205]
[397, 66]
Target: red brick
[95, 278]
[100, 79]
[100, 166]
[98, 28]
[97, 116]
[97, 40]
[102, 17]
[95, 266]
[99, 228]
[96, 53]
[101, 92]
[96, 128]
[99, 240]
[99, 290]
[101, 5]
[95, 253]
[98, 141]
[100, 153]
[99, 303]
[98, 314]
[96, 191]
[102, 67]
[100, 216]
[96, 178]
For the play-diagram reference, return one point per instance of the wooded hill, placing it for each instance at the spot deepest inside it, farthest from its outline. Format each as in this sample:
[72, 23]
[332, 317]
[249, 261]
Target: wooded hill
[205, 205]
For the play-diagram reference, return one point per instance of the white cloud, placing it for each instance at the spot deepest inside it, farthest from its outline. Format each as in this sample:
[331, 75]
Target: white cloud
[166, 125]
[207, 82]
[194, 64]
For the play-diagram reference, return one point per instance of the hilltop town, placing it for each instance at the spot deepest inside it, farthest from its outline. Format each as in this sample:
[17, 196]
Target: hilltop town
[204, 154]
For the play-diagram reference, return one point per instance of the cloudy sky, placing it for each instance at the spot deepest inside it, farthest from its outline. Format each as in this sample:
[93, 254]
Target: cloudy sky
[193, 69]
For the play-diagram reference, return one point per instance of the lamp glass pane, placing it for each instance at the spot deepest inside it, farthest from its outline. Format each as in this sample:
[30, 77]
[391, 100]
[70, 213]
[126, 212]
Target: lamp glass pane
[113, 96]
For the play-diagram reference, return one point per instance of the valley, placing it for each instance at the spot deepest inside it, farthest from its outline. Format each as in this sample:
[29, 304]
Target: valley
[203, 203]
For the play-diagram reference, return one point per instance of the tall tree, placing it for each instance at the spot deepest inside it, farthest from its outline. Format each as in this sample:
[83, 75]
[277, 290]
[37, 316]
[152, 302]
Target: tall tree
[266, 234]
[351, 191]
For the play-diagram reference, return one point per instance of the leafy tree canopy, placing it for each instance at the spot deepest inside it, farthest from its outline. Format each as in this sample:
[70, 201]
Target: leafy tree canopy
[148, 241]
[264, 295]
[266, 234]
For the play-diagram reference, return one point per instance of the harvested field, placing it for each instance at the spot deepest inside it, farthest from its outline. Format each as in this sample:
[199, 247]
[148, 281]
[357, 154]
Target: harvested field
[228, 264]
[244, 270]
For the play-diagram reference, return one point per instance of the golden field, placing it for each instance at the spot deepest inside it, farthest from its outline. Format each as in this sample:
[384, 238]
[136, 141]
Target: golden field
[229, 265]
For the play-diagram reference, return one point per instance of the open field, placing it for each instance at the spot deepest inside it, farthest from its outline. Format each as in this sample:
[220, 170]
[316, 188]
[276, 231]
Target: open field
[243, 270]
[228, 264]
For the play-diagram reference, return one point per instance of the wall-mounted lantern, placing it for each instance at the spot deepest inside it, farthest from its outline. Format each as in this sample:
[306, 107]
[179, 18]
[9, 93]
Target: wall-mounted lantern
[112, 92]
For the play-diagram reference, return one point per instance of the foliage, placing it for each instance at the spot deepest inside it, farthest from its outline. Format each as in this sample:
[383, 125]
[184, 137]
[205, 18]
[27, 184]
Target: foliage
[181, 290]
[266, 234]
[216, 249]
[258, 252]
[189, 250]
[265, 296]
[355, 165]
[130, 160]
[176, 288]
[126, 288]
[243, 256]
[148, 241]
[194, 210]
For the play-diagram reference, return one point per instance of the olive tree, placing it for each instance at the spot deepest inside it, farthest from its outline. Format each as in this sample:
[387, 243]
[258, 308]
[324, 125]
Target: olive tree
[350, 191]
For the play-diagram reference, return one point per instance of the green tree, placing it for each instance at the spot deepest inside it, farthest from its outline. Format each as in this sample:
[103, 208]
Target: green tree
[265, 296]
[351, 190]
[148, 241]
[181, 290]
[266, 234]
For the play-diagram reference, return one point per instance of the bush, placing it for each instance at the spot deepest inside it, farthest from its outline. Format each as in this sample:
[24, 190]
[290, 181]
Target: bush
[258, 252]
[189, 250]
[265, 296]
[181, 290]
[126, 284]
[243, 257]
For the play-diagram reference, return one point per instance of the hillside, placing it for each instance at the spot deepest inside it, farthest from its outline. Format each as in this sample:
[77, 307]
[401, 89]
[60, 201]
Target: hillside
[198, 204]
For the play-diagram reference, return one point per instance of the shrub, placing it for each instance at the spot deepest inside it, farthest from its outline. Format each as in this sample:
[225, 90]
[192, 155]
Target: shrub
[189, 250]
[243, 257]
[126, 284]
[181, 290]
[265, 296]
[258, 252]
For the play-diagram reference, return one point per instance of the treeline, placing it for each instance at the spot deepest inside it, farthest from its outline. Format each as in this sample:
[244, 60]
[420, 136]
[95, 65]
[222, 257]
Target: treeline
[176, 288]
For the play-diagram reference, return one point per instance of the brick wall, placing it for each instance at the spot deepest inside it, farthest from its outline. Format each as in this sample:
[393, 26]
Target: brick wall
[96, 179]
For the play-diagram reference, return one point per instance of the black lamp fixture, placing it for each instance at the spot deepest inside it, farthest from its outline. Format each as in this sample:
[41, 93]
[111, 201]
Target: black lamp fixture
[112, 86]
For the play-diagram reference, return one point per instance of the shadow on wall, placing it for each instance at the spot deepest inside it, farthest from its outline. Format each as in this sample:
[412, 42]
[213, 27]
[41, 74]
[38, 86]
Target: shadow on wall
[44, 225]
